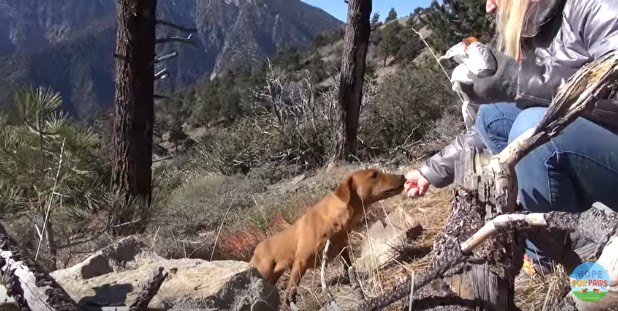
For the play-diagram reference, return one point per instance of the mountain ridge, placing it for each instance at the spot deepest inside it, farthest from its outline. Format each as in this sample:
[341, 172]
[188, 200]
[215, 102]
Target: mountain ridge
[68, 45]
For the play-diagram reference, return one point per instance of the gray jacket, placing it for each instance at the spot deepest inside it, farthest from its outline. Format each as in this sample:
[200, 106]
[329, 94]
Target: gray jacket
[559, 37]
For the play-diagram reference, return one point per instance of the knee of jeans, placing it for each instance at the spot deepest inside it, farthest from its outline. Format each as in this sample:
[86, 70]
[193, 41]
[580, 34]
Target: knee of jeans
[486, 116]
[527, 119]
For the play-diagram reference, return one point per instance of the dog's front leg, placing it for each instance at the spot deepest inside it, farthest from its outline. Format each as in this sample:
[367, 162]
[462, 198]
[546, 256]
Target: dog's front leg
[298, 270]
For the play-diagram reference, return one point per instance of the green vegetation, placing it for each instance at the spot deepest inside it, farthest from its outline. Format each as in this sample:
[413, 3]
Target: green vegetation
[392, 15]
[453, 20]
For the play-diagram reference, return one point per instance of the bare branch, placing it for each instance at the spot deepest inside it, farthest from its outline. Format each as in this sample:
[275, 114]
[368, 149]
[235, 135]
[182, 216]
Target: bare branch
[177, 39]
[501, 222]
[165, 57]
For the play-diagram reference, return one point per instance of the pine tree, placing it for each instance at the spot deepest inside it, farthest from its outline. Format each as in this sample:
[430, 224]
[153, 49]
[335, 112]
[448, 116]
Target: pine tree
[392, 15]
[411, 45]
[390, 43]
[456, 19]
[375, 19]
[47, 166]
[134, 98]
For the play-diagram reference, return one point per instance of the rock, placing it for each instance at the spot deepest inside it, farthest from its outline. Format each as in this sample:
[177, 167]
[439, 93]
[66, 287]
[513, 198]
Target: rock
[103, 261]
[297, 179]
[122, 251]
[192, 284]
[6, 303]
[384, 237]
[345, 298]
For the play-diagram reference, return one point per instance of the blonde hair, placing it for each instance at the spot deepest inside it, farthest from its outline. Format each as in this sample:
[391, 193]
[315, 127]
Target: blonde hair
[510, 21]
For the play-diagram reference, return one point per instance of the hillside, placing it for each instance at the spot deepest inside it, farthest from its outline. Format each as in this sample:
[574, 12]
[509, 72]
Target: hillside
[243, 146]
[68, 45]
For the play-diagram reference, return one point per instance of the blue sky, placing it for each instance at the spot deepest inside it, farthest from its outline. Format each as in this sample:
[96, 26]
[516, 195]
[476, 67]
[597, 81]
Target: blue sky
[339, 9]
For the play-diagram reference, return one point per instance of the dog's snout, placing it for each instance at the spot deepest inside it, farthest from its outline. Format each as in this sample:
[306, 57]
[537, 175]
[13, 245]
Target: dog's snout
[397, 180]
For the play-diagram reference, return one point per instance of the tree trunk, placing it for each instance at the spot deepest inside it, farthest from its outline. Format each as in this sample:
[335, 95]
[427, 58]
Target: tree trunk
[30, 285]
[355, 44]
[134, 98]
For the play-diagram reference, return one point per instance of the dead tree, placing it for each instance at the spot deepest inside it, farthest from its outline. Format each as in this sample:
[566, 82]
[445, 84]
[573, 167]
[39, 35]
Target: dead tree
[486, 189]
[355, 43]
[134, 98]
[27, 282]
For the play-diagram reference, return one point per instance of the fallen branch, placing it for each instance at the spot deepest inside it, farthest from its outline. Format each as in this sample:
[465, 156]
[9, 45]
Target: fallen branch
[501, 222]
[149, 291]
[27, 282]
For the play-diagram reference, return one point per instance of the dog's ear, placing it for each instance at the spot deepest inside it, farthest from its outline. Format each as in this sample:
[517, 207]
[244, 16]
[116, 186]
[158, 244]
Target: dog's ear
[345, 190]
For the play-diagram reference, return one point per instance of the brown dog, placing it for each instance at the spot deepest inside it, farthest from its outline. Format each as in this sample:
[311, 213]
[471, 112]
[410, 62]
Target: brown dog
[299, 245]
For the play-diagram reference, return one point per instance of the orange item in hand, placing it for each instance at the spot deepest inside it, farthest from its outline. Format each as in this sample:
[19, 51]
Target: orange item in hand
[411, 184]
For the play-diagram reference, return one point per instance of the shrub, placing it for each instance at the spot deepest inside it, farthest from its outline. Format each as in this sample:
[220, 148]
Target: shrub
[238, 244]
[404, 111]
[197, 209]
[292, 125]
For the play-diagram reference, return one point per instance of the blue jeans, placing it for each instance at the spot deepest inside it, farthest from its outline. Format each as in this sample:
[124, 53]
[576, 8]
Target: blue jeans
[569, 173]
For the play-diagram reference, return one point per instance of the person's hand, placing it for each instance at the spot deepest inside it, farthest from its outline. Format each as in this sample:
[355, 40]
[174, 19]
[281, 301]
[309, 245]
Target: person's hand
[499, 87]
[416, 184]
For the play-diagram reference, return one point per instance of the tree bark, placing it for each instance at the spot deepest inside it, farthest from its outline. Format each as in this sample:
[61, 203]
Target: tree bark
[353, 65]
[134, 98]
[31, 286]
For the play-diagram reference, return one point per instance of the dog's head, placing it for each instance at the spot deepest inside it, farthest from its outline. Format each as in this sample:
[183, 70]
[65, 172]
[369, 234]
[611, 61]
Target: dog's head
[369, 186]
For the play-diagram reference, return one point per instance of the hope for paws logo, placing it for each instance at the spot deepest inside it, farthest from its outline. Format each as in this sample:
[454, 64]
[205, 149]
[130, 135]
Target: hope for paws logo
[589, 282]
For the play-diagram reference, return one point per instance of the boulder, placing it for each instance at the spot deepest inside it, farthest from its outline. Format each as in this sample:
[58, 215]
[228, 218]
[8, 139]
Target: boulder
[384, 238]
[103, 261]
[191, 284]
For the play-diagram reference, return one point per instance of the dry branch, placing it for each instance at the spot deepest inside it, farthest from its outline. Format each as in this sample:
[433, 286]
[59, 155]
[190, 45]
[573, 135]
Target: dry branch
[149, 291]
[501, 222]
[31, 286]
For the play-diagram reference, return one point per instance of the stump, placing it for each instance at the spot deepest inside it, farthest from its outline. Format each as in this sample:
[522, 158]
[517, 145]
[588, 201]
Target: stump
[488, 276]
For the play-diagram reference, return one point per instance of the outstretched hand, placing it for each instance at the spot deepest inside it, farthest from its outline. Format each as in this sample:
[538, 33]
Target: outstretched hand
[416, 184]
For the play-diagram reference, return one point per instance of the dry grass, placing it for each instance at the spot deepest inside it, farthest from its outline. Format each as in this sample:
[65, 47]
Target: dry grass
[540, 290]
[431, 211]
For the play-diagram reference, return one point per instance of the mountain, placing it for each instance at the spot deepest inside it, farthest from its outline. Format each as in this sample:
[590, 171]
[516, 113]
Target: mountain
[68, 44]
